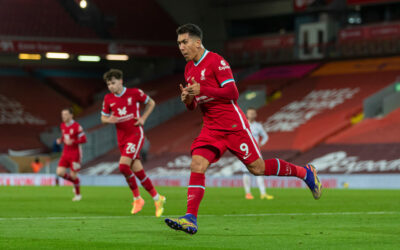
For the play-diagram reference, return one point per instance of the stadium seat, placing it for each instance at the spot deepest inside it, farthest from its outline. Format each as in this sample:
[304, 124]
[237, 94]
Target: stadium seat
[26, 114]
[46, 18]
[131, 20]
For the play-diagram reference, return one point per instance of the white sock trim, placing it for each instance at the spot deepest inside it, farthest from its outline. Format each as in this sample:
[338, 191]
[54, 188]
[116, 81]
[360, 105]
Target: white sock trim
[196, 186]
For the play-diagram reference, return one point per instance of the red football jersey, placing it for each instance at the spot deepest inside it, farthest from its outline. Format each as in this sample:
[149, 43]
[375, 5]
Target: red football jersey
[72, 131]
[125, 107]
[219, 114]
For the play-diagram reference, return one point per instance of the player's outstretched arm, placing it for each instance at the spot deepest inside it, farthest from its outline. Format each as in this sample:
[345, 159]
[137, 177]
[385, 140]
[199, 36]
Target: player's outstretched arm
[147, 111]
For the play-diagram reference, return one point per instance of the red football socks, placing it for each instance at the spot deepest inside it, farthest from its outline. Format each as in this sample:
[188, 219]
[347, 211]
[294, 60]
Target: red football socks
[77, 186]
[130, 179]
[282, 168]
[76, 182]
[195, 193]
[146, 182]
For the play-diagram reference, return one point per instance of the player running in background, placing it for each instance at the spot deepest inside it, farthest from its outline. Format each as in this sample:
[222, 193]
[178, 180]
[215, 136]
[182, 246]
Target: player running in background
[122, 108]
[211, 87]
[72, 136]
[258, 133]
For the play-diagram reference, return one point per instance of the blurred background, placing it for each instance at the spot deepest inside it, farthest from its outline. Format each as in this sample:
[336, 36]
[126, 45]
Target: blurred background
[324, 76]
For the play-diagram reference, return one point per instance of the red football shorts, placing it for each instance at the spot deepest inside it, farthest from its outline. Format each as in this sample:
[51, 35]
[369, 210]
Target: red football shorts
[71, 160]
[212, 144]
[131, 146]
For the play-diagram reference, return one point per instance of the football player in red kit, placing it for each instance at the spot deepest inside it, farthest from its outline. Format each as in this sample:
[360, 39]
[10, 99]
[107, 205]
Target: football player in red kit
[211, 86]
[72, 136]
[122, 108]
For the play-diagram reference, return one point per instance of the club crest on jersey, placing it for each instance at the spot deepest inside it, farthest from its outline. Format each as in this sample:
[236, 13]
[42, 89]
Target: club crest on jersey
[71, 131]
[129, 101]
[122, 112]
[203, 73]
[224, 66]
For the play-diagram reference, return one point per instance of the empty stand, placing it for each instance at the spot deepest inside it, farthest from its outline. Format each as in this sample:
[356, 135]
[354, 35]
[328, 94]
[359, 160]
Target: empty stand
[299, 120]
[369, 147]
[163, 88]
[44, 18]
[276, 78]
[81, 90]
[27, 108]
[138, 20]
[370, 131]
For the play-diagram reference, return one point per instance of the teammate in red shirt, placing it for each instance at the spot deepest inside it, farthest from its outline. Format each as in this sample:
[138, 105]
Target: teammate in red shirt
[211, 86]
[122, 108]
[72, 136]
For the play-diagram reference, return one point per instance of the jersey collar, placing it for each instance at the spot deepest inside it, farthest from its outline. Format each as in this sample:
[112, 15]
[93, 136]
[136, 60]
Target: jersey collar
[202, 57]
[122, 93]
[70, 123]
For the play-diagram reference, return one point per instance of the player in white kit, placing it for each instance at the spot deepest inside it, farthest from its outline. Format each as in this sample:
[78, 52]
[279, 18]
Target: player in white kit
[261, 138]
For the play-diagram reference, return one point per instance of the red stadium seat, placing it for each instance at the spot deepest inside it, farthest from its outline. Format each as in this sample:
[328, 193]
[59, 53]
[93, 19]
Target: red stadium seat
[30, 107]
[44, 18]
[132, 20]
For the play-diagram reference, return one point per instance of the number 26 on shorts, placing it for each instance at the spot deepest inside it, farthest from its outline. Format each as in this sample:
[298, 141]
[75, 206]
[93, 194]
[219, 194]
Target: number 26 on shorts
[130, 148]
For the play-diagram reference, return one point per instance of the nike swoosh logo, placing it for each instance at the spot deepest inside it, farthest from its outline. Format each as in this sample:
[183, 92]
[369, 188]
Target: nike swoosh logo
[112, 104]
[247, 156]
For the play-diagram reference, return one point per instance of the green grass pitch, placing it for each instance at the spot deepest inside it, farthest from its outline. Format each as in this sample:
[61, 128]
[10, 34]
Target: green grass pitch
[46, 218]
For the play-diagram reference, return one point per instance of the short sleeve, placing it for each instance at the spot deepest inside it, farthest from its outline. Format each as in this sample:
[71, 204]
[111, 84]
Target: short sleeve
[106, 111]
[141, 96]
[222, 71]
[80, 131]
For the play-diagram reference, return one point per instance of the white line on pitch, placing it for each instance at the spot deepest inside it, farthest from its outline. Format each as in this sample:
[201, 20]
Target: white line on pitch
[204, 215]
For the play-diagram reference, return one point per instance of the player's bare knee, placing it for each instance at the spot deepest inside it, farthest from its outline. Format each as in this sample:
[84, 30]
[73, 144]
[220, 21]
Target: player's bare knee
[60, 172]
[253, 169]
[74, 175]
[257, 167]
[199, 165]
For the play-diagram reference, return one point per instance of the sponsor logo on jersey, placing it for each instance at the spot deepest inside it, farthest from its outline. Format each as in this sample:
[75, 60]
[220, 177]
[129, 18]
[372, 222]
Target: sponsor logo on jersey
[203, 99]
[203, 77]
[122, 112]
[224, 66]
